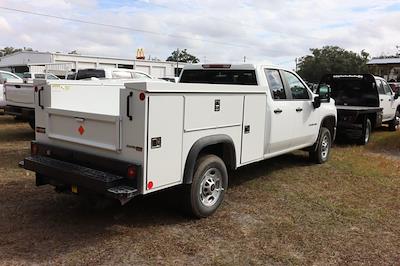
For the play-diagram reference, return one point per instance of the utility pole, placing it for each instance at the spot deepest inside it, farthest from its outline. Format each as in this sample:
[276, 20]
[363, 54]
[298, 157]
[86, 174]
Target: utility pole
[295, 60]
[244, 59]
[398, 50]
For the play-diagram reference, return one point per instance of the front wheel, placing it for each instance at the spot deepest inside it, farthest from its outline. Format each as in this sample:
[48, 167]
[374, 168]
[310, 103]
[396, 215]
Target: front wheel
[366, 133]
[323, 147]
[210, 181]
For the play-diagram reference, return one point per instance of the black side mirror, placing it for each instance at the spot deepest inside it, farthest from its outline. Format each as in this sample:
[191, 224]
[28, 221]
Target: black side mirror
[317, 102]
[397, 95]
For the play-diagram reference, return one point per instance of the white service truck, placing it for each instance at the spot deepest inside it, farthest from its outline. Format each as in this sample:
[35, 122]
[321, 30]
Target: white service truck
[150, 136]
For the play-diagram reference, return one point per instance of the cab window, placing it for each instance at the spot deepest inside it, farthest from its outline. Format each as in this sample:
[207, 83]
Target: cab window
[7, 76]
[386, 87]
[275, 84]
[379, 84]
[141, 76]
[297, 88]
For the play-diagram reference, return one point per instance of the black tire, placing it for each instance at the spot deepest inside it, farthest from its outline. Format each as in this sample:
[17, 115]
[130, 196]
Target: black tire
[211, 167]
[366, 133]
[320, 154]
[32, 123]
[394, 124]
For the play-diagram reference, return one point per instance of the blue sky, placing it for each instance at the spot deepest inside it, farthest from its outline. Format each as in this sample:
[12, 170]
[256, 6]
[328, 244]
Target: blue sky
[218, 31]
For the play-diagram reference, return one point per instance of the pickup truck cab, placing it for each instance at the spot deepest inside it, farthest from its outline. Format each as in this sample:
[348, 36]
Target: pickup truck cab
[363, 102]
[148, 136]
[4, 76]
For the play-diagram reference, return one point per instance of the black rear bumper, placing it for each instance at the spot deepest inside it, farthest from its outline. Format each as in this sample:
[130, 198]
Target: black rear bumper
[77, 176]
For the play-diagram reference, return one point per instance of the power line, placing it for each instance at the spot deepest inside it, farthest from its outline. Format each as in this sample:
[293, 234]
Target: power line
[122, 27]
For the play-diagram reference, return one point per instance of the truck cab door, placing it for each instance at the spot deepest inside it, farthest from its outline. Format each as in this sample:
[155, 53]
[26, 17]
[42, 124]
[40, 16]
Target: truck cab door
[389, 100]
[279, 115]
[305, 116]
[385, 99]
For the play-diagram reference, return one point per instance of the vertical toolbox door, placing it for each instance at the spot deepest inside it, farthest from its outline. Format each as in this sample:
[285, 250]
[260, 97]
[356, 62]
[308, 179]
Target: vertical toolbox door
[253, 128]
[164, 141]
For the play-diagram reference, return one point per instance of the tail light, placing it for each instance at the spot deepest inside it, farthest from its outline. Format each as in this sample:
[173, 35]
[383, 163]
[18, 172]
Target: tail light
[216, 66]
[142, 96]
[131, 171]
[34, 148]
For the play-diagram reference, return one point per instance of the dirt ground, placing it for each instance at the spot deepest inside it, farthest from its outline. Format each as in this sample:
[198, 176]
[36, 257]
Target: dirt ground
[278, 212]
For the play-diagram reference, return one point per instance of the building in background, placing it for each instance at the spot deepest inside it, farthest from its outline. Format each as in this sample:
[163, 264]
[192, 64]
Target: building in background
[387, 68]
[25, 61]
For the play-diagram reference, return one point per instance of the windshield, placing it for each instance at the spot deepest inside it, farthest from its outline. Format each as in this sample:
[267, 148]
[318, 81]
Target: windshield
[223, 76]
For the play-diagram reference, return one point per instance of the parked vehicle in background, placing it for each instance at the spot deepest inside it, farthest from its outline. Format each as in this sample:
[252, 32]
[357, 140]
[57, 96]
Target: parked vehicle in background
[395, 86]
[29, 76]
[108, 73]
[363, 102]
[151, 135]
[4, 76]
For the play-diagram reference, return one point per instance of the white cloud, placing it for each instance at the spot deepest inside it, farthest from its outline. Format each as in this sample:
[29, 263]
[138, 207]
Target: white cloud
[273, 30]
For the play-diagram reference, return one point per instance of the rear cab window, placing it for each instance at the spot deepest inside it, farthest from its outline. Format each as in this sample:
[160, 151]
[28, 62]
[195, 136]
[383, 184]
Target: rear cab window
[219, 76]
[90, 73]
[275, 84]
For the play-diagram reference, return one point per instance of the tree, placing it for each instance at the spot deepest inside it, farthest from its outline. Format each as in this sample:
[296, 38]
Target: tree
[332, 59]
[10, 50]
[182, 56]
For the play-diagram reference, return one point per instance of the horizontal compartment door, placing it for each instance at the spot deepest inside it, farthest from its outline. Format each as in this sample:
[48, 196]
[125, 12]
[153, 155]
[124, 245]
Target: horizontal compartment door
[101, 131]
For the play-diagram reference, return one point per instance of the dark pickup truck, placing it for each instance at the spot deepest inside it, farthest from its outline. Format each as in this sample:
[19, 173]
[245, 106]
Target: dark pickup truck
[363, 103]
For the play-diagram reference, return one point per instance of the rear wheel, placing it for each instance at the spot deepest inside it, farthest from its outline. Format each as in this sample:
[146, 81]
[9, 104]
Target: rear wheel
[366, 133]
[210, 181]
[323, 147]
[395, 123]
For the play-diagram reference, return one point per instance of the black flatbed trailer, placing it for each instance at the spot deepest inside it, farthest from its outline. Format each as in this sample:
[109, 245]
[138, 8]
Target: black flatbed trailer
[357, 103]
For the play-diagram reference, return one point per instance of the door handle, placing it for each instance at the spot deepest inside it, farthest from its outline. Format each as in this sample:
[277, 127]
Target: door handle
[278, 111]
[299, 109]
[128, 106]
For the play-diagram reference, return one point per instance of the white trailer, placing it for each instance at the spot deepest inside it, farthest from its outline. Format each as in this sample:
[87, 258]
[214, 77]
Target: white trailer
[150, 136]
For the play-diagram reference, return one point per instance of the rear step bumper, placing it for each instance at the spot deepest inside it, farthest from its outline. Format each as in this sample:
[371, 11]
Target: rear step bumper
[60, 173]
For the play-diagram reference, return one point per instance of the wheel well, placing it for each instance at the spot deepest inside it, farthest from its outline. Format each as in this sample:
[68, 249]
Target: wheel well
[219, 145]
[329, 122]
[223, 151]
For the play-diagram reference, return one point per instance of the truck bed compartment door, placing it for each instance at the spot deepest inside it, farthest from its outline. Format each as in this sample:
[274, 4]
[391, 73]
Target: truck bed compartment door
[253, 128]
[95, 130]
[164, 140]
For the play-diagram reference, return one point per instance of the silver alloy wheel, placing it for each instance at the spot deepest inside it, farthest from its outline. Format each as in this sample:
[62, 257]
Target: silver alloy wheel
[211, 187]
[325, 147]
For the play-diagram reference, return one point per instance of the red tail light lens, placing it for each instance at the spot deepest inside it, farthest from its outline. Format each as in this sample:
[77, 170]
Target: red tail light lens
[34, 148]
[131, 171]
[142, 96]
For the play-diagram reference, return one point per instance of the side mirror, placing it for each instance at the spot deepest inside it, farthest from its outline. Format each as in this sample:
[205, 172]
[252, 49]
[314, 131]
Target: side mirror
[324, 93]
[317, 102]
[397, 94]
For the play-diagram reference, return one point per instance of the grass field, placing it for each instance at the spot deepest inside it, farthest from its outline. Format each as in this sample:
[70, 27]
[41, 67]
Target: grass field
[281, 211]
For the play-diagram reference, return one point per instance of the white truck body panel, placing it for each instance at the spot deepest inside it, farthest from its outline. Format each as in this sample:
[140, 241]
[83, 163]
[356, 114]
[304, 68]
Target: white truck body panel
[176, 114]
